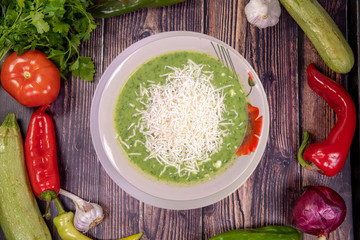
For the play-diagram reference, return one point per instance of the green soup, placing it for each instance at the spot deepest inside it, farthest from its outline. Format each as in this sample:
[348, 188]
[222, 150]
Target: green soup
[181, 117]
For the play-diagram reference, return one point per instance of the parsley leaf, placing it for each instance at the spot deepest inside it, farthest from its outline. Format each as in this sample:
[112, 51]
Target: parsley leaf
[56, 27]
[39, 23]
[55, 8]
[84, 68]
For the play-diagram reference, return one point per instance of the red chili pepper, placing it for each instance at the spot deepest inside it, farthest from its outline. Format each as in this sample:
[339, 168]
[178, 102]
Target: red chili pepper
[328, 157]
[41, 157]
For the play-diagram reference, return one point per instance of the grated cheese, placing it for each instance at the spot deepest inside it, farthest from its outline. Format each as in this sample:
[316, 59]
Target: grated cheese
[236, 113]
[124, 143]
[138, 141]
[182, 119]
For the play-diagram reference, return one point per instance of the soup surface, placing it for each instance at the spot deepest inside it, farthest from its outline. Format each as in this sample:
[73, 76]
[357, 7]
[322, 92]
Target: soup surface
[181, 117]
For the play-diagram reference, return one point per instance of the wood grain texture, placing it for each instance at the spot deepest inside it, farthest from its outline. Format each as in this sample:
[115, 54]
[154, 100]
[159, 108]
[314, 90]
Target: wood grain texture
[279, 55]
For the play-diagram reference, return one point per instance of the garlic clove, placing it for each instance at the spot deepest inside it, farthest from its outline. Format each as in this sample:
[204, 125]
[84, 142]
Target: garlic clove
[87, 214]
[263, 13]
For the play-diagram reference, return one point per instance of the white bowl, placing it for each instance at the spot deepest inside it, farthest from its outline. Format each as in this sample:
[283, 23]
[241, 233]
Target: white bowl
[113, 157]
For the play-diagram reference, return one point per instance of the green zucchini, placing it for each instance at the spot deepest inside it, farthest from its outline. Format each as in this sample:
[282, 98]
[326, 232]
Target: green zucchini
[322, 32]
[20, 217]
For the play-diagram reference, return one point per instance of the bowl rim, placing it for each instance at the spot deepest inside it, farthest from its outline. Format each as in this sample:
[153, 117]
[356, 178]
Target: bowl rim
[124, 183]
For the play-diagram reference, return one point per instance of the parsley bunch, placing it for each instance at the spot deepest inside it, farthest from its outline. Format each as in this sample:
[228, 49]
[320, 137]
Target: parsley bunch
[55, 27]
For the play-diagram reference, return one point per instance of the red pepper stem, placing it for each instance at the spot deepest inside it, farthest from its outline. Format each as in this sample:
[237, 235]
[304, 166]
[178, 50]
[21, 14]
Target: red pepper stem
[58, 206]
[322, 238]
[48, 196]
[47, 211]
[301, 159]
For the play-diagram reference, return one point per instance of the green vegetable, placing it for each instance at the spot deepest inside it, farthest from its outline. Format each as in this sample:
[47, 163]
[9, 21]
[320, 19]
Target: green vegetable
[55, 27]
[133, 237]
[20, 217]
[110, 8]
[64, 223]
[265, 233]
[322, 32]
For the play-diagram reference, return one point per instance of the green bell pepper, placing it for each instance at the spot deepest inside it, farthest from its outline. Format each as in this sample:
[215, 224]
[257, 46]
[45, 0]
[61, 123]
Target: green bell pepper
[110, 8]
[264, 233]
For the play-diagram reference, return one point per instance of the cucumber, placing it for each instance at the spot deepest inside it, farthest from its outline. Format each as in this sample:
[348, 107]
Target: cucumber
[20, 217]
[322, 32]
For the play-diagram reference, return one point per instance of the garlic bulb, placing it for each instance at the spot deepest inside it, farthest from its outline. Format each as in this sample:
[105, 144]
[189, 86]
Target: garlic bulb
[263, 13]
[87, 214]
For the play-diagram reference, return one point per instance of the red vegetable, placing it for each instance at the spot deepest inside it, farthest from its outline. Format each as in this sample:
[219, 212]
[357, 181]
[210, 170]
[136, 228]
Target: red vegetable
[319, 211]
[253, 132]
[41, 156]
[32, 79]
[328, 157]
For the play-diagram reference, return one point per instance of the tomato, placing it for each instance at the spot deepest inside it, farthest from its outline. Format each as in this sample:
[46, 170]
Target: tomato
[32, 79]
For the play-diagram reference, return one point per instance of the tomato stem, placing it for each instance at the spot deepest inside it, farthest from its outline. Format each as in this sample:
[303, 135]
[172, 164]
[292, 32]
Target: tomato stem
[27, 75]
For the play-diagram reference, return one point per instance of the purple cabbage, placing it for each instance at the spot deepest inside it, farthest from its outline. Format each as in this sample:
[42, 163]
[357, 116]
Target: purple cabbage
[319, 211]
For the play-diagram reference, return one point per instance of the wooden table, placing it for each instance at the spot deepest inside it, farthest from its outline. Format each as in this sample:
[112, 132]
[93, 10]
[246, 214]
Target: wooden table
[279, 55]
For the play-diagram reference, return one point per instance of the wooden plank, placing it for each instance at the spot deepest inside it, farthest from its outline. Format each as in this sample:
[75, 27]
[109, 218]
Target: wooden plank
[157, 223]
[126, 214]
[267, 196]
[318, 118]
[78, 164]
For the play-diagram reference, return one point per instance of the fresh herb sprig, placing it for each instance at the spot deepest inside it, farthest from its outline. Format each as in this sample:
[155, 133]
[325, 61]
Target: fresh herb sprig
[56, 27]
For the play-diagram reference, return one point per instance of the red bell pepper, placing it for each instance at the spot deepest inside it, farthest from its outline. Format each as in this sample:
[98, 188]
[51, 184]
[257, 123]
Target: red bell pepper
[41, 157]
[328, 157]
